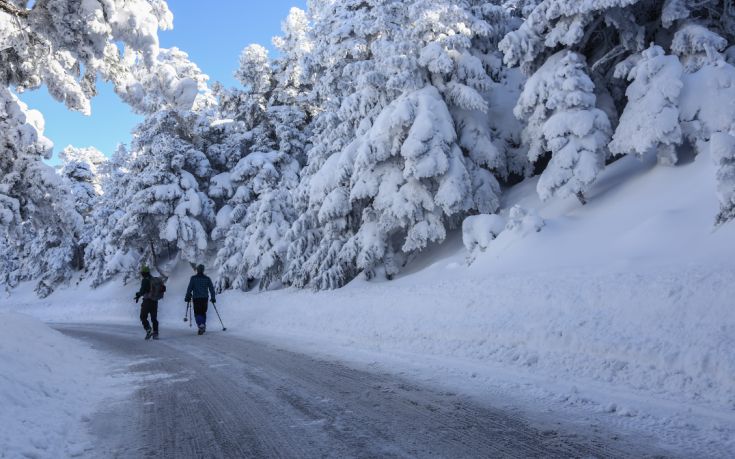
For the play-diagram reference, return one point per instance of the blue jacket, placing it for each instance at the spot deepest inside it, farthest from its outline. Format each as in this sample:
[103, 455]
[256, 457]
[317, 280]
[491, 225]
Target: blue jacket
[198, 287]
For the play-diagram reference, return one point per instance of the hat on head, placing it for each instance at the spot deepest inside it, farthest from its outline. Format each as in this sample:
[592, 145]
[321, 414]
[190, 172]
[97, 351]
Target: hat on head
[200, 268]
[145, 269]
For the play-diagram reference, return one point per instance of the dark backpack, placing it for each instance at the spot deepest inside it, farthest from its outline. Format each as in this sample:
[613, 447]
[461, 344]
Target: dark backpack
[158, 288]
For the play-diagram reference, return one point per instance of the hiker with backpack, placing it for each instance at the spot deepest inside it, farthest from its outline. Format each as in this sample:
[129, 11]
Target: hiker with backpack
[152, 290]
[200, 290]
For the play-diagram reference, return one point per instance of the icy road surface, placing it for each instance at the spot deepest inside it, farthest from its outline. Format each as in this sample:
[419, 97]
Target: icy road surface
[216, 396]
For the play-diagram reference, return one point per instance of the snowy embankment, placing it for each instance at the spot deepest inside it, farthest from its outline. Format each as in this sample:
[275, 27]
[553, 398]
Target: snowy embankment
[622, 308]
[49, 385]
[634, 289]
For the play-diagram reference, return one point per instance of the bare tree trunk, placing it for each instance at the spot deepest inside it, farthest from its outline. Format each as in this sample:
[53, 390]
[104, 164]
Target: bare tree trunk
[155, 261]
[9, 8]
[581, 198]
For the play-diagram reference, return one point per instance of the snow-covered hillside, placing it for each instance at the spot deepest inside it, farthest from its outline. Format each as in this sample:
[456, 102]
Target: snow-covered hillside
[620, 310]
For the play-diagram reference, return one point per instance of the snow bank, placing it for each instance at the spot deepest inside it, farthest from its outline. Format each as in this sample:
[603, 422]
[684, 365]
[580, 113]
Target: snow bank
[49, 384]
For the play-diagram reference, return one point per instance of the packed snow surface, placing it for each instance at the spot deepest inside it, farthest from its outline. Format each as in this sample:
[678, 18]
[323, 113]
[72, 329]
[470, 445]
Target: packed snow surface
[49, 386]
[620, 310]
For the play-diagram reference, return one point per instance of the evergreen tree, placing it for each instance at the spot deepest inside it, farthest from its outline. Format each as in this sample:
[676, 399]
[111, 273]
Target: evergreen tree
[651, 119]
[55, 40]
[559, 102]
[346, 91]
[613, 37]
[81, 169]
[272, 133]
[408, 116]
[166, 211]
[102, 257]
[65, 45]
[37, 215]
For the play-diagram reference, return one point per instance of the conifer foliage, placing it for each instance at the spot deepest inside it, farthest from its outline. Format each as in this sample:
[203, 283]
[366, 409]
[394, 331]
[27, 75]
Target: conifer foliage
[663, 49]
[65, 45]
[380, 127]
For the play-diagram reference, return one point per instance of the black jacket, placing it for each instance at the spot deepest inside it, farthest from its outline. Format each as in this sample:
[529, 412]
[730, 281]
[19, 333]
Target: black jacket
[145, 286]
[199, 286]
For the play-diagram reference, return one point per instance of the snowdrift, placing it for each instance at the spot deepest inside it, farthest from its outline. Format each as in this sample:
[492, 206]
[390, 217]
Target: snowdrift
[49, 385]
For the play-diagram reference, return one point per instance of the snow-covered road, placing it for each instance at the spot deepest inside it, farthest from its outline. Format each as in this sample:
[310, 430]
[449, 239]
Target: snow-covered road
[221, 396]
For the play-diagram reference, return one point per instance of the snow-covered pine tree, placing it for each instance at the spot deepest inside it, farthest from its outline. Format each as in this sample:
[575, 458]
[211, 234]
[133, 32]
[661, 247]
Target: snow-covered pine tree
[272, 120]
[23, 145]
[288, 108]
[707, 114]
[651, 119]
[10, 262]
[102, 259]
[37, 214]
[81, 169]
[345, 91]
[167, 213]
[559, 103]
[65, 45]
[50, 233]
[500, 150]
[402, 111]
[613, 37]
[410, 174]
[255, 219]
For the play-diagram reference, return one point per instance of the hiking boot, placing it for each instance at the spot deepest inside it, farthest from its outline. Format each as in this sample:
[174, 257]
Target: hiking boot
[148, 334]
[155, 335]
[201, 330]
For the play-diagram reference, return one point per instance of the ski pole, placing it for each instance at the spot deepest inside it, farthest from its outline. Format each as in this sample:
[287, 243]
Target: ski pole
[218, 316]
[187, 314]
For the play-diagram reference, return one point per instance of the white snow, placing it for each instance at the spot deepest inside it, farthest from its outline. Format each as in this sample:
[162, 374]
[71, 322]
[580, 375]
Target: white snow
[479, 230]
[618, 312]
[50, 385]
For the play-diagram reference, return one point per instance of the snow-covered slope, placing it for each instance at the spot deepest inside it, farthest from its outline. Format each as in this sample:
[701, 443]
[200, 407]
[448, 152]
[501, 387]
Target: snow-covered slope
[49, 385]
[622, 307]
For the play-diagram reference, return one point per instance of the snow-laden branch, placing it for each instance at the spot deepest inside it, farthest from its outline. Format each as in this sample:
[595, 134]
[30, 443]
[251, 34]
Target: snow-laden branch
[10, 8]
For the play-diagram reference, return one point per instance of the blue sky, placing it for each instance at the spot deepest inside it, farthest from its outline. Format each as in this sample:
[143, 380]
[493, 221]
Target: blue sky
[212, 34]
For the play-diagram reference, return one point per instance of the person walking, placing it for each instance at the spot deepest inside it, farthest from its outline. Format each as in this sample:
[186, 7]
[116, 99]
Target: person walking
[149, 305]
[200, 290]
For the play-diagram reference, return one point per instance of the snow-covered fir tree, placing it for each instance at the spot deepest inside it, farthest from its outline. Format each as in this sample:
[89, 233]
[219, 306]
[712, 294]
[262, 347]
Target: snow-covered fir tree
[636, 40]
[82, 169]
[403, 145]
[9, 257]
[559, 103]
[37, 213]
[340, 36]
[65, 45]
[166, 213]
[102, 259]
[651, 120]
[271, 127]
[708, 122]
[347, 96]
[256, 217]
